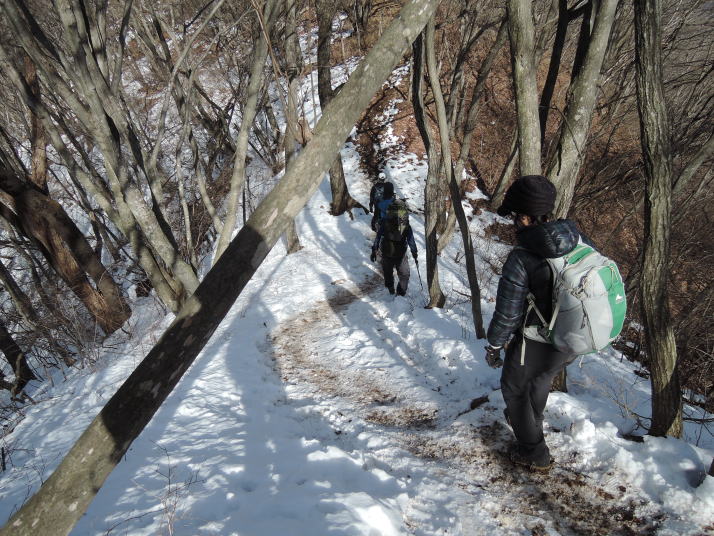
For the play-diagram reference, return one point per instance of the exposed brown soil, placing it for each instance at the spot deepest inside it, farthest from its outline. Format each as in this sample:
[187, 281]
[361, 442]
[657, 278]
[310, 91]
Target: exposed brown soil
[476, 455]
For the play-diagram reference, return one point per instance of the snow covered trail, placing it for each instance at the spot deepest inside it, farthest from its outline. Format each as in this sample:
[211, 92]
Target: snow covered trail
[424, 433]
[323, 406]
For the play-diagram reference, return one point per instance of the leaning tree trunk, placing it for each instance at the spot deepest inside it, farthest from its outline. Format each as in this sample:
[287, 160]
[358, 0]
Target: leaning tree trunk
[260, 54]
[67, 250]
[66, 494]
[433, 204]
[657, 159]
[342, 201]
[448, 168]
[292, 140]
[556, 56]
[499, 192]
[470, 123]
[16, 359]
[564, 166]
[38, 138]
[521, 32]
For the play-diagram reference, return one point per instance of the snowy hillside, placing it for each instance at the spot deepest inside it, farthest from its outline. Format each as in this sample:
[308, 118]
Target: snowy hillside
[322, 405]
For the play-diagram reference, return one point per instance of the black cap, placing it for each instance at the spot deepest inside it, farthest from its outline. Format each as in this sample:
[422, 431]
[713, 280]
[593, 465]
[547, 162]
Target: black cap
[531, 194]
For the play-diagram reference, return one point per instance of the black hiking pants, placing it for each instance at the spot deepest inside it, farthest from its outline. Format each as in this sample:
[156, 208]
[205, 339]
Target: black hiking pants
[401, 265]
[525, 390]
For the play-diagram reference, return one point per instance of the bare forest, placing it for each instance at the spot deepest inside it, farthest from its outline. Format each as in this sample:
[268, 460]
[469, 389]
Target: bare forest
[155, 150]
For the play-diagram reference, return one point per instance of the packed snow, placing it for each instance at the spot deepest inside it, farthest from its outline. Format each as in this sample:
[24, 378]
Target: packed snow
[324, 406]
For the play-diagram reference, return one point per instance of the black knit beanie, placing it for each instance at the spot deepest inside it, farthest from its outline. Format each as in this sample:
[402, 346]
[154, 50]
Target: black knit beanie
[531, 194]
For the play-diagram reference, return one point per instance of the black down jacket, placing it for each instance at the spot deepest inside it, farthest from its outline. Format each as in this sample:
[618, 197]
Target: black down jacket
[526, 270]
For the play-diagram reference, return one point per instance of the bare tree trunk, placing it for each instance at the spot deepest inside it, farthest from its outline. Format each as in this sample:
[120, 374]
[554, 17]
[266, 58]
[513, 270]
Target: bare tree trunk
[292, 139]
[109, 125]
[24, 307]
[499, 191]
[67, 250]
[554, 65]
[433, 204]
[657, 158]
[38, 139]
[66, 494]
[564, 166]
[16, 359]
[342, 201]
[483, 73]
[456, 205]
[20, 300]
[470, 125]
[521, 32]
[260, 54]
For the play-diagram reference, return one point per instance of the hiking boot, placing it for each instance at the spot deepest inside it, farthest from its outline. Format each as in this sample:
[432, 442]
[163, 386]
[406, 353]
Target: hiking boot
[542, 466]
[400, 291]
[391, 290]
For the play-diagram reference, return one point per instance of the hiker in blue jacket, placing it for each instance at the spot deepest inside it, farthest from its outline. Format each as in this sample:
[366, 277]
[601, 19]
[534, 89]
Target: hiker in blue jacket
[394, 234]
[525, 386]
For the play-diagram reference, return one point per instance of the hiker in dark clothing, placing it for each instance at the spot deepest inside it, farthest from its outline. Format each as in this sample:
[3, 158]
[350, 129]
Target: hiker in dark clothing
[528, 372]
[394, 234]
[376, 195]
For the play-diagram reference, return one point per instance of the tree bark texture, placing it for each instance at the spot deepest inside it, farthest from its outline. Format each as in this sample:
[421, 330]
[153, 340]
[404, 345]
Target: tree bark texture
[499, 192]
[556, 56]
[16, 359]
[470, 123]
[564, 166]
[293, 141]
[260, 54]
[484, 71]
[433, 204]
[657, 158]
[342, 201]
[521, 33]
[454, 189]
[38, 139]
[66, 494]
[103, 115]
[44, 220]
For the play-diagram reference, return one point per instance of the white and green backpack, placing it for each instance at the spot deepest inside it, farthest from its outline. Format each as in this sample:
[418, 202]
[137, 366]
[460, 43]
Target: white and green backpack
[588, 303]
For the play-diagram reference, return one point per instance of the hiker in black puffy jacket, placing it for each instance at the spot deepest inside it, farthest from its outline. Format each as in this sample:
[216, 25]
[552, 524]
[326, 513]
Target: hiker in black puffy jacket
[525, 385]
[393, 254]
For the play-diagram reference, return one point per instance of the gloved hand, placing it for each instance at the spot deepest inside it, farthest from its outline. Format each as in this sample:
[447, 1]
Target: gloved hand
[373, 256]
[493, 356]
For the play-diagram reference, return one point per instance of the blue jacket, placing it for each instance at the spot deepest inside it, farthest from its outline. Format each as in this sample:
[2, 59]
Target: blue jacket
[382, 207]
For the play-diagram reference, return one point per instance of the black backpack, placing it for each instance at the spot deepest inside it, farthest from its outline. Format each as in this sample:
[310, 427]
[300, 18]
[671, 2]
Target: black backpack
[395, 225]
[378, 192]
[382, 190]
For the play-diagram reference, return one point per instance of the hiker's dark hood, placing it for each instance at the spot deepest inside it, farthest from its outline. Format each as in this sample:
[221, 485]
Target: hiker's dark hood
[550, 239]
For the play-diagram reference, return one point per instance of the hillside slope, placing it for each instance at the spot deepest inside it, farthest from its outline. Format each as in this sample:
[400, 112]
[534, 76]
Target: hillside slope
[322, 405]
